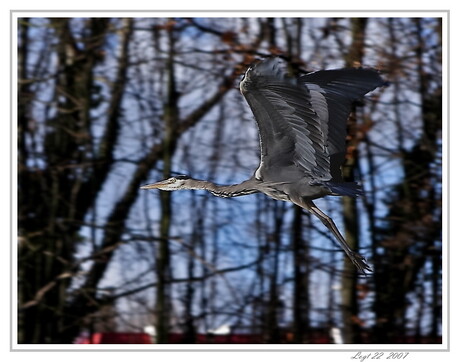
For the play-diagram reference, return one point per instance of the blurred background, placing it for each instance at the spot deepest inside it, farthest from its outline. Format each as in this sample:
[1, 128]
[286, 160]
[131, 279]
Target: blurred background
[108, 104]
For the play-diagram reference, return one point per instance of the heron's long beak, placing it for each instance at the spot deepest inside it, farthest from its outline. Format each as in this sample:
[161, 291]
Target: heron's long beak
[155, 185]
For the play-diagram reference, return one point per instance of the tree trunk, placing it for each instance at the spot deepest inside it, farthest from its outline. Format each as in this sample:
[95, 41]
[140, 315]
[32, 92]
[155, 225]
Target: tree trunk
[350, 306]
[163, 270]
[273, 307]
[301, 263]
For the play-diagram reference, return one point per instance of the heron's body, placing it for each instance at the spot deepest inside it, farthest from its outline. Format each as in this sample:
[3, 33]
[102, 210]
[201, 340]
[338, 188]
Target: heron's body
[302, 127]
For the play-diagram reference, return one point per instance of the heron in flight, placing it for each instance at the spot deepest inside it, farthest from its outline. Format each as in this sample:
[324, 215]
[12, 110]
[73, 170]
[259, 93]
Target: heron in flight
[302, 127]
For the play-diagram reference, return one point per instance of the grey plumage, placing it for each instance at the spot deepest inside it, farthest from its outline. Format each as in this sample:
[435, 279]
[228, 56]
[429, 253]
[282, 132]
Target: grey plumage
[302, 127]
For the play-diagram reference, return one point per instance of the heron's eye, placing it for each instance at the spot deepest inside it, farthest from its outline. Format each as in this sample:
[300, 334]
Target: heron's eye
[172, 180]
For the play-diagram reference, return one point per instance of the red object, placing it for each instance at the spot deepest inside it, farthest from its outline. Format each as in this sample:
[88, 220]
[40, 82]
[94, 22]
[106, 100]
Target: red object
[177, 338]
[317, 337]
[116, 338]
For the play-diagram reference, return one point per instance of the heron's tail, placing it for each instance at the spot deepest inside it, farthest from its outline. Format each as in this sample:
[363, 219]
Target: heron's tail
[352, 189]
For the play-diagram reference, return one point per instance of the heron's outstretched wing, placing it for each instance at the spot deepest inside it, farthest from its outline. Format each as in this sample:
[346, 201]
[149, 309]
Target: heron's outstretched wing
[290, 129]
[332, 94]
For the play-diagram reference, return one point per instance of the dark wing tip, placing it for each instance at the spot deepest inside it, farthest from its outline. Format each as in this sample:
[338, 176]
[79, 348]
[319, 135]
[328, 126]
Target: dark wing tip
[351, 83]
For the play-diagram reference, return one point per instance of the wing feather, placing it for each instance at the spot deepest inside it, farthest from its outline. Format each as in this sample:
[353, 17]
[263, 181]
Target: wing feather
[333, 93]
[290, 129]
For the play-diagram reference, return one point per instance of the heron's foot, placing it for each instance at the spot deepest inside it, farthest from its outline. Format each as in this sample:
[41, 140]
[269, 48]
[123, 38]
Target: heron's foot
[360, 263]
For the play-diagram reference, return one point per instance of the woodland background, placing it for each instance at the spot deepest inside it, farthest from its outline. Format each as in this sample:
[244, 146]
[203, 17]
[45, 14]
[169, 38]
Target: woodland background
[108, 104]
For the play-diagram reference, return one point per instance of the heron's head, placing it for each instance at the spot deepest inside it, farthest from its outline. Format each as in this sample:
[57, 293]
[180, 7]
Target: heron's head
[170, 184]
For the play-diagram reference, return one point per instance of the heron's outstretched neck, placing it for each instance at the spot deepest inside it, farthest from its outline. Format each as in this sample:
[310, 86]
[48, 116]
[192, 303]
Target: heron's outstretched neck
[245, 188]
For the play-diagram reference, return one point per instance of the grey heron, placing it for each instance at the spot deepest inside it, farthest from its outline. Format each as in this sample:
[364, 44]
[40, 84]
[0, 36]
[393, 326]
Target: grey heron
[302, 128]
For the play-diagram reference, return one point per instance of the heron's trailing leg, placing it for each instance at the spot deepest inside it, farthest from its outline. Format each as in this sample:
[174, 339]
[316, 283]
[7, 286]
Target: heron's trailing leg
[356, 259]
